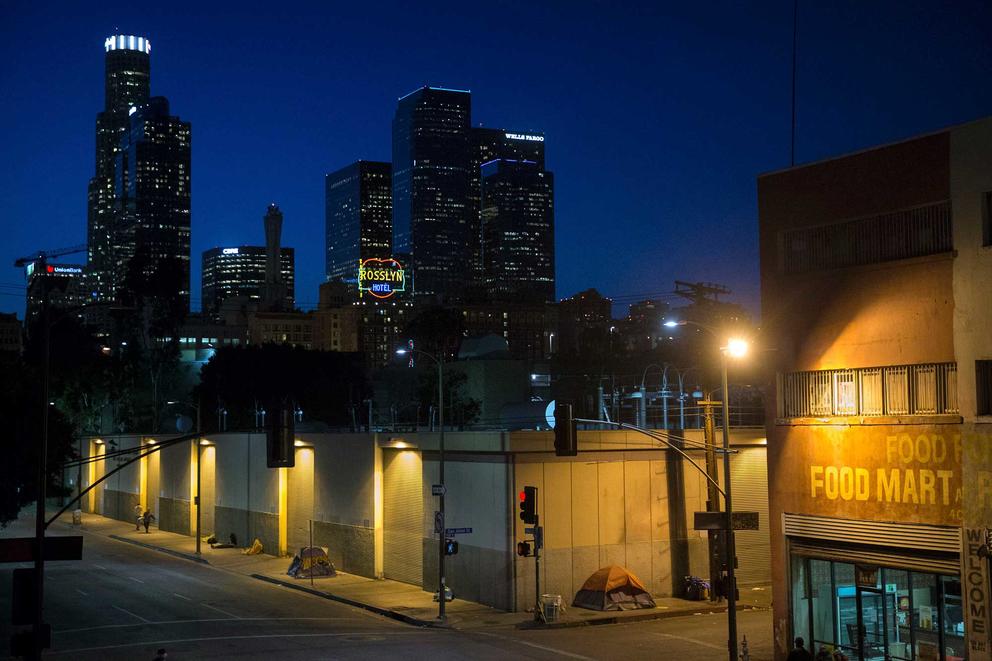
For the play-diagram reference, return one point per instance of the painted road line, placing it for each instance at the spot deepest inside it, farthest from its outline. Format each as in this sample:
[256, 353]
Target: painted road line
[181, 596]
[136, 580]
[722, 648]
[176, 641]
[552, 650]
[100, 567]
[85, 594]
[220, 610]
[123, 610]
[241, 620]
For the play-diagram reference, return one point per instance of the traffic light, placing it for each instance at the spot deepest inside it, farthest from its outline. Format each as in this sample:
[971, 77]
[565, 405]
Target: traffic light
[528, 505]
[523, 549]
[566, 434]
[450, 547]
[280, 432]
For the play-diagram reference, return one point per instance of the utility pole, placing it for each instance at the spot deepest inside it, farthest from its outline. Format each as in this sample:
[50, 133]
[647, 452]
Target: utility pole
[712, 496]
[730, 551]
[442, 594]
[38, 642]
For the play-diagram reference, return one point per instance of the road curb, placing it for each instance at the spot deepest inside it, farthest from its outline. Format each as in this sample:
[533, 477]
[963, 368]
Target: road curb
[378, 610]
[161, 549]
[623, 619]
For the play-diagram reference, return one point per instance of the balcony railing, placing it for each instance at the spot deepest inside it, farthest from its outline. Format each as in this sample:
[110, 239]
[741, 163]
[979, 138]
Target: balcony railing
[927, 389]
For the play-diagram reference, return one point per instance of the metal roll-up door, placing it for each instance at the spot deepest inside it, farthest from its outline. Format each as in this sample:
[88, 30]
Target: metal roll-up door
[749, 472]
[402, 516]
[920, 547]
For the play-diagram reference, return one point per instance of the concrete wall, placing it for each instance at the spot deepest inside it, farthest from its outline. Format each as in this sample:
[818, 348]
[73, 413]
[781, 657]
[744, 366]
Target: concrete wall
[971, 179]
[174, 488]
[478, 497]
[247, 491]
[610, 508]
[344, 499]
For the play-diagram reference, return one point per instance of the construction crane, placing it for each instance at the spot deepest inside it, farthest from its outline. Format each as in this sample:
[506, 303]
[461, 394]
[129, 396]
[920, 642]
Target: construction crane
[43, 256]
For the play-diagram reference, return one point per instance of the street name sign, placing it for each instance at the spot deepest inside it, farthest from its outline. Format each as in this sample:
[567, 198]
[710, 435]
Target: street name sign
[457, 531]
[718, 520]
[21, 549]
[438, 490]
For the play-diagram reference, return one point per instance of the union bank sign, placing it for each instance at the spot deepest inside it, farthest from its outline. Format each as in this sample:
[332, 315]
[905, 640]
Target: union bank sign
[381, 278]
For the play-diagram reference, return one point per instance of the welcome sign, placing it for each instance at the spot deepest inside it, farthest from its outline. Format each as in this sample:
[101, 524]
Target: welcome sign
[381, 278]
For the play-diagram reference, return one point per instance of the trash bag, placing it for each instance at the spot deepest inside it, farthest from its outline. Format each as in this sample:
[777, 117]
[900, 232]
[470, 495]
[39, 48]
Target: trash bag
[254, 549]
[695, 588]
[294, 566]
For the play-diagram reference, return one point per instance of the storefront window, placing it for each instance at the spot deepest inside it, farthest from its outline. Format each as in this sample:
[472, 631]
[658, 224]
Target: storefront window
[899, 634]
[903, 616]
[822, 602]
[800, 599]
[952, 618]
[926, 635]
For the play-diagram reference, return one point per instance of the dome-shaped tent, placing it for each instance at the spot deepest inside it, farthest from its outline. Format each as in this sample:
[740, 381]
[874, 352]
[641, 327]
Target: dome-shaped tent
[613, 588]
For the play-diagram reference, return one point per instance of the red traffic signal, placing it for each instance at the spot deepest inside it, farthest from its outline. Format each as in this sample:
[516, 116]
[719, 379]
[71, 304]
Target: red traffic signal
[528, 505]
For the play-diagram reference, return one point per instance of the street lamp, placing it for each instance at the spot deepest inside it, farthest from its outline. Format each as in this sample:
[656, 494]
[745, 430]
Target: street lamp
[735, 347]
[199, 456]
[439, 361]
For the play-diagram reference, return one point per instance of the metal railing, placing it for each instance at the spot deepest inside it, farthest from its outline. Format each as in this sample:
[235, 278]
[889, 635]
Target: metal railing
[926, 389]
[924, 230]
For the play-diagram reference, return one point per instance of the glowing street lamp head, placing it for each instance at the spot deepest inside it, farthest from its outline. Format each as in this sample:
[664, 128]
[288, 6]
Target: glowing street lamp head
[401, 352]
[736, 347]
[673, 324]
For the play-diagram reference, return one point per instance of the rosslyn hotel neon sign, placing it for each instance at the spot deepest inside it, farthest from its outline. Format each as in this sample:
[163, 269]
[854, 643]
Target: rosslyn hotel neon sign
[380, 278]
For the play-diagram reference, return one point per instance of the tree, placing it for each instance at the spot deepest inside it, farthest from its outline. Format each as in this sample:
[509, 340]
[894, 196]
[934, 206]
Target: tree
[325, 385]
[21, 409]
[149, 337]
[459, 409]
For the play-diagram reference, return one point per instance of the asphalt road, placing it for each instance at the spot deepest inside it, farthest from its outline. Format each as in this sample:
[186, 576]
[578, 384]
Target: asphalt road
[125, 602]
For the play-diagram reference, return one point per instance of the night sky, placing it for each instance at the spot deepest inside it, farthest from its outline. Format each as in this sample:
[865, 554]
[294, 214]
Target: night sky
[658, 118]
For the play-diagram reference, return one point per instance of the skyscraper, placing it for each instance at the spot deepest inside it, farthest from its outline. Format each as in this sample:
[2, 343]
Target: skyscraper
[518, 236]
[432, 171]
[359, 217]
[489, 144]
[152, 200]
[127, 74]
[239, 272]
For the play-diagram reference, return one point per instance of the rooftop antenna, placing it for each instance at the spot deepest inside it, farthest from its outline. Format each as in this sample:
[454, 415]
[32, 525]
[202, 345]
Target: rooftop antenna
[795, 43]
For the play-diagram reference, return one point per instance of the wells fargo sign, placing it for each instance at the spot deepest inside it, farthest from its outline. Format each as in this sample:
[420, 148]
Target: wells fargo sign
[381, 278]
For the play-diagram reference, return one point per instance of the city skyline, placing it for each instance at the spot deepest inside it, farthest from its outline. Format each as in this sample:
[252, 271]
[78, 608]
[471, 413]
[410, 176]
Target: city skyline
[655, 175]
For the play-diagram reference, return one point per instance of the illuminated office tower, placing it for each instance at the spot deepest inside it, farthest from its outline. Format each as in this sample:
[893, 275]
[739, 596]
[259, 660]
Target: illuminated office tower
[127, 73]
[359, 217]
[239, 272]
[432, 172]
[518, 237]
[489, 144]
[152, 201]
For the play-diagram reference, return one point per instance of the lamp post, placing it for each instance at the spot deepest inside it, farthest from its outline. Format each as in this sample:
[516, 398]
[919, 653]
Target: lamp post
[734, 348]
[439, 361]
[199, 456]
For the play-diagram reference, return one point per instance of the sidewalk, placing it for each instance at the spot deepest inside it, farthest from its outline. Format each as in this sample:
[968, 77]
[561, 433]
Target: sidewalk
[399, 601]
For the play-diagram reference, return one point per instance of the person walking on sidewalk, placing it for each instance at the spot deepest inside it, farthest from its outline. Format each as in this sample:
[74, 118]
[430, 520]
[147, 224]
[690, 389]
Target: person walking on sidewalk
[147, 519]
[137, 517]
[799, 652]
